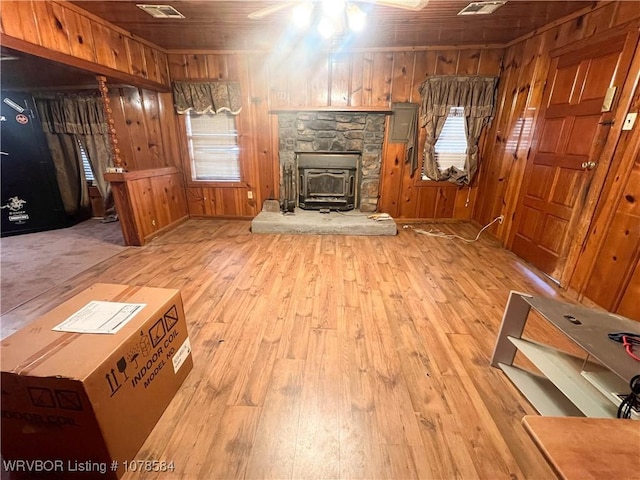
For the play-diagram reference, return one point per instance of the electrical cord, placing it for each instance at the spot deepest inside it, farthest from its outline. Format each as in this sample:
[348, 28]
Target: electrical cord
[451, 236]
[628, 340]
[631, 401]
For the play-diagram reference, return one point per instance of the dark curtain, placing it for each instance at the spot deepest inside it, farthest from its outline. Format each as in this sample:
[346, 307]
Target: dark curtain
[207, 97]
[411, 152]
[69, 119]
[438, 94]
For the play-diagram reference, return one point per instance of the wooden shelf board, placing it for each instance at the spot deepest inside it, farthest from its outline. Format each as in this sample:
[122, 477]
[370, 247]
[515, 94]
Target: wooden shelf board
[541, 392]
[564, 371]
[609, 384]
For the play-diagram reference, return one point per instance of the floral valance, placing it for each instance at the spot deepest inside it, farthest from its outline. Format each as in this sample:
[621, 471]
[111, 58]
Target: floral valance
[207, 97]
[475, 93]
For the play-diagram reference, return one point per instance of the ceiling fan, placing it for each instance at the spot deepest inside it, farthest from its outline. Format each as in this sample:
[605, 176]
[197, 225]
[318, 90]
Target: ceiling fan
[414, 5]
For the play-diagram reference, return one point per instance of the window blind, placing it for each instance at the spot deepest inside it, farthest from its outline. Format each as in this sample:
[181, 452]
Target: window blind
[451, 147]
[86, 165]
[213, 147]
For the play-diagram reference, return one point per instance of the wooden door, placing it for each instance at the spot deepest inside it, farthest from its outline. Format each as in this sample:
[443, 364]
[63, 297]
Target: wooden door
[569, 136]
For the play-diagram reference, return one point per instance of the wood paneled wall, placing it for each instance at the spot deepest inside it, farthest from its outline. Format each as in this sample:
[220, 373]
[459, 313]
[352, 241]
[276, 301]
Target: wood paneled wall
[150, 198]
[75, 37]
[146, 128]
[412, 198]
[509, 141]
[149, 202]
[258, 152]
[307, 79]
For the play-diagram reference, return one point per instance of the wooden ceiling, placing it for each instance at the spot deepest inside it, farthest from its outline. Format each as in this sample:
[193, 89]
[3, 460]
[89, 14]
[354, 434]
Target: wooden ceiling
[224, 25]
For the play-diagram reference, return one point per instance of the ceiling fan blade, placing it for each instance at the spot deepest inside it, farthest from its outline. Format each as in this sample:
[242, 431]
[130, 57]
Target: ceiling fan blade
[263, 12]
[414, 5]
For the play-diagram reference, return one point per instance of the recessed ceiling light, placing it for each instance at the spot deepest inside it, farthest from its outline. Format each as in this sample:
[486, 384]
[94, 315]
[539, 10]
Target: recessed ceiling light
[160, 11]
[481, 8]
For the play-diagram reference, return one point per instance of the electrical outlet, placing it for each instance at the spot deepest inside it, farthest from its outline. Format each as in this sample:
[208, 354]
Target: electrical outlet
[249, 194]
[629, 121]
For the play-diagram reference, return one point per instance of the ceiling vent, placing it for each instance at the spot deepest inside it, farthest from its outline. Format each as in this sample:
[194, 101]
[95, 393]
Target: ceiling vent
[481, 8]
[161, 11]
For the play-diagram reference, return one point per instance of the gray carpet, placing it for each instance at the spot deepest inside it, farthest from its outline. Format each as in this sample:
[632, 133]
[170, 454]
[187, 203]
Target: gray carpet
[33, 263]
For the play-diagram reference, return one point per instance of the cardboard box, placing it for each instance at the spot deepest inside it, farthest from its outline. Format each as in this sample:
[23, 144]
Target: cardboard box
[73, 403]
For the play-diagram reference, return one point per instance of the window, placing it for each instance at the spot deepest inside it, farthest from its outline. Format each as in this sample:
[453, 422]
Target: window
[213, 147]
[88, 171]
[451, 147]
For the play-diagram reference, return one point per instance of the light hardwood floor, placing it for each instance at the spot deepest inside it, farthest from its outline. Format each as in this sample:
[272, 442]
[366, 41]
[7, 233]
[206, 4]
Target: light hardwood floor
[334, 356]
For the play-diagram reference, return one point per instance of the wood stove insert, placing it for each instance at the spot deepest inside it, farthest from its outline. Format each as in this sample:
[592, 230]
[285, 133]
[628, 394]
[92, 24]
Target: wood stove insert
[328, 180]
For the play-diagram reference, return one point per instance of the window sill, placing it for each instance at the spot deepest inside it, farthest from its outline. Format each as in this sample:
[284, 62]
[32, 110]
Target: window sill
[210, 184]
[435, 183]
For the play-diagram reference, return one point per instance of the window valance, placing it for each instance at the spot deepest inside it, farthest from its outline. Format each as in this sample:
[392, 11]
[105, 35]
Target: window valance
[72, 114]
[207, 97]
[475, 93]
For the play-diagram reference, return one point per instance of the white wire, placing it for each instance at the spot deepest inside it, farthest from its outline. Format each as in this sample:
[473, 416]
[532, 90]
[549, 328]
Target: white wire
[451, 236]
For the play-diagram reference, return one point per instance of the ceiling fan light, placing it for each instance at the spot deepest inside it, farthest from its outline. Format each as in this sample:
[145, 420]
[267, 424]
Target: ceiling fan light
[356, 18]
[301, 14]
[332, 8]
[326, 27]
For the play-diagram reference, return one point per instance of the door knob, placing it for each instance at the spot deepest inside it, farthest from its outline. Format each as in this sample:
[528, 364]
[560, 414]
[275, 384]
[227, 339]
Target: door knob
[589, 165]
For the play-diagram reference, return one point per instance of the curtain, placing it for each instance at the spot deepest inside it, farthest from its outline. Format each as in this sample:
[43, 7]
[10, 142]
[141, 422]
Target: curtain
[411, 155]
[438, 94]
[69, 120]
[69, 172]
[207, 97]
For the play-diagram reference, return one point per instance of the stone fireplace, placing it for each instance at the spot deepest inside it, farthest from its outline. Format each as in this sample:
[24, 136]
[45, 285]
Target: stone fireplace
[333, 135]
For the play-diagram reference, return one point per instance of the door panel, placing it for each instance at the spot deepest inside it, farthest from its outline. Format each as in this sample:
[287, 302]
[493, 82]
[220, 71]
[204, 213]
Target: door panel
[565, 184]
[582, 128]
[551, 235]
[563, 85]
[543, 175]
[595, 83]
[570, 132]
[531, 218]
[551, 135]
[550, 208]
